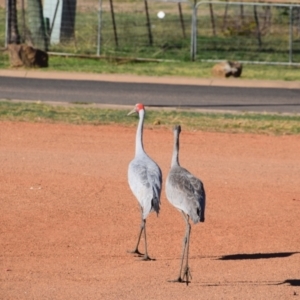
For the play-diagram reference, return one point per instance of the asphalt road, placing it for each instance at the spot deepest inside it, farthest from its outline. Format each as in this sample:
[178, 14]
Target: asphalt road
[228, 98]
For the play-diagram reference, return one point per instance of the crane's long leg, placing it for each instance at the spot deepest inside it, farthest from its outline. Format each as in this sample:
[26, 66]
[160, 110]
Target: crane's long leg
[185, 249]
[186, 273]
[146, 256]
[142, 227]
[136, 250]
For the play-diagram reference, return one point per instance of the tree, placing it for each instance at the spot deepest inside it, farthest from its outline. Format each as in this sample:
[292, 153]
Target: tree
[13, 36]
[21, 54]
[36, 24]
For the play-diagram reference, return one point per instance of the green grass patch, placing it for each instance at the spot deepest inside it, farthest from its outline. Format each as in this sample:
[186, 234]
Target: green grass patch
[176, 68]
[93, 115]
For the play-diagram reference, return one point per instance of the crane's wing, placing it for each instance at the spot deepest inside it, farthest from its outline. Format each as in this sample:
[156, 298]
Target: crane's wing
[186, 192]
[145, 181]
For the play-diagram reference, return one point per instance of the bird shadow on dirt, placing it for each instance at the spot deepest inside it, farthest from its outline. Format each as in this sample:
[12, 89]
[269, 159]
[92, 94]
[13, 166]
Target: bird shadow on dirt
[253, 256]
[290, 282]
[248, 256]
[257, 255]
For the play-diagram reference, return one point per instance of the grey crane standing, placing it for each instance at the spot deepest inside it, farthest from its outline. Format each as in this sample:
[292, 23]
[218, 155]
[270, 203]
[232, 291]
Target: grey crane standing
[145, 180]
[187, 194]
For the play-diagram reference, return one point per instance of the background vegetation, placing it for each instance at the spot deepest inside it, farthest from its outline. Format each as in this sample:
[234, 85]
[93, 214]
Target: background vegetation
[191, 120]
[224, 31]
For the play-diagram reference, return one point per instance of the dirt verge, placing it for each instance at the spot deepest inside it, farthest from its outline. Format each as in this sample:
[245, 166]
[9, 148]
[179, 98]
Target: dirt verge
[68, 217]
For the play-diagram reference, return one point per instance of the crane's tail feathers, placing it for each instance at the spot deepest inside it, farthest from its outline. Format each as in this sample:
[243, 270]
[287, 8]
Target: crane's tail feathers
[202, 204]
[155, 205]
[155, 202]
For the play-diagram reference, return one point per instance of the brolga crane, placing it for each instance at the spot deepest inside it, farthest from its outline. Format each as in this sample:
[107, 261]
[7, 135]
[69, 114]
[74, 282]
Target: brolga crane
[185, 192]
[145, 180]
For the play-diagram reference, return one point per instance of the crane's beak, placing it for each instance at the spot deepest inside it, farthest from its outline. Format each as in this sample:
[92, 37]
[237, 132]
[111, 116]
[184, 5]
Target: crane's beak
[131, 112]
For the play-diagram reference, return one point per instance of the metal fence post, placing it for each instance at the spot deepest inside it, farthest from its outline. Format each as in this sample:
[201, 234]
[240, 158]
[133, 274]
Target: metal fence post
[114, 22]
[6, 23]
[148, 23]
[291, 36]
[99, 28]
[194, 33]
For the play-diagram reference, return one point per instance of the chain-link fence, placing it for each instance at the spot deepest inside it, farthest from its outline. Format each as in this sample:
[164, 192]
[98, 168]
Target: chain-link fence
[253, 32]
[146, 29]
[2, 25]
[164, 29]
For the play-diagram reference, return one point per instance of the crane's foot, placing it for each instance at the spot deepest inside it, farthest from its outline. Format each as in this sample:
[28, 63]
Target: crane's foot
[187, 275]
[143, 256]
[179, 279]
[146, 257]
[136, 251]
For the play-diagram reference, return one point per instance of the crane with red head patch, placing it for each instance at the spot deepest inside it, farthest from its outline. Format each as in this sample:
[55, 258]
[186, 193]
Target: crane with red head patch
[145, 180]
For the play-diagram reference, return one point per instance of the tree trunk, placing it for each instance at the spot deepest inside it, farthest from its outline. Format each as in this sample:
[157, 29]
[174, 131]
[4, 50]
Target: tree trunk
[258, 32]
[13, 36]
[36, 24]
[212, 19]
[224, 26]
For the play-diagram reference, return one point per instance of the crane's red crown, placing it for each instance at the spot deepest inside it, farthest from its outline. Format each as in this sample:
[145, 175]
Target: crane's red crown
[138, 107]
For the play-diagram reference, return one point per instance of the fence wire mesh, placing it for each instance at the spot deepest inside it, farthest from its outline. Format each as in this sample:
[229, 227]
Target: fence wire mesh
[2, 25]
[248, 31]
[147, 29]
[264, 33]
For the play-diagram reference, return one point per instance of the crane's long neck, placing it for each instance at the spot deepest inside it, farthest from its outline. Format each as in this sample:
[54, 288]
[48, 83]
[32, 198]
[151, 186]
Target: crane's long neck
[139, 133]
[175, 159]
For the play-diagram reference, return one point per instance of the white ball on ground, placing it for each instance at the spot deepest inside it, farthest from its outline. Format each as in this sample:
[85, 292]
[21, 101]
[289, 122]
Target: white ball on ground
[161, 14]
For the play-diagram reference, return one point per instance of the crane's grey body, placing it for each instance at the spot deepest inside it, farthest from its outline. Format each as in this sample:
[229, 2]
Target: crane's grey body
[185, 192]
[145, 180]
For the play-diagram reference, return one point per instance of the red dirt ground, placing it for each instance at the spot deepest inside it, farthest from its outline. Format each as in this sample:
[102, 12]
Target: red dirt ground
[68, 217]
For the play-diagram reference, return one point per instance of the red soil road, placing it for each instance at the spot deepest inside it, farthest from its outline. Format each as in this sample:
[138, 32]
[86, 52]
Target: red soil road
[68, 217]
